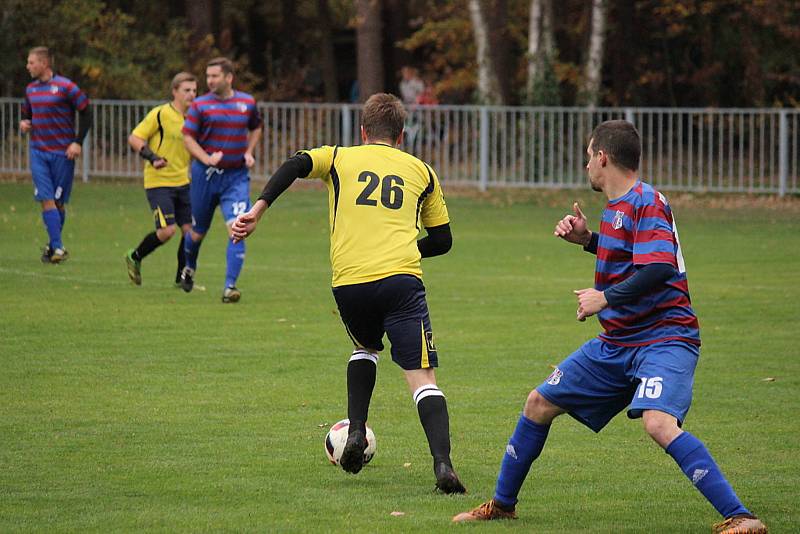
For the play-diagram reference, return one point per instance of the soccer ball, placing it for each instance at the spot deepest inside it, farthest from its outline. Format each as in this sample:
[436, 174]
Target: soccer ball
[337, 437]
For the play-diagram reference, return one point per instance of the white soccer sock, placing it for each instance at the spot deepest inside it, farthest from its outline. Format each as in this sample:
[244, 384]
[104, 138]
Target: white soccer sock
[428, 390]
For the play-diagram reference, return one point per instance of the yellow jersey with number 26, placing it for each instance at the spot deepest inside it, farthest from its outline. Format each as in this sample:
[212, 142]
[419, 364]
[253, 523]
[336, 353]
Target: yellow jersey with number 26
[379, 198]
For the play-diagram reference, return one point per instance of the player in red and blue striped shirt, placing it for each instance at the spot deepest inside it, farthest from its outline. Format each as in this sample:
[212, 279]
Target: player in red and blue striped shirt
[48, 113]
[646, 357]
[221, 131]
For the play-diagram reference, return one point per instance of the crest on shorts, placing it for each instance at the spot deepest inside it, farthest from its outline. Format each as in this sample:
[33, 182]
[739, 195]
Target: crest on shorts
[555, 377]
[617, 222]
[429, 341]
[242, 107]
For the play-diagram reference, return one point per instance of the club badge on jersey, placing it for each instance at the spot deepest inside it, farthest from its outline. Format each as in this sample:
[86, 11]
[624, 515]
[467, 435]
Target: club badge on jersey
[617, 223]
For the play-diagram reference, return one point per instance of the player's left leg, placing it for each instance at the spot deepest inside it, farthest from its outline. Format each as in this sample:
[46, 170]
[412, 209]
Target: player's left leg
[666, 372]
[183, 218]
[63, 172]
[234, 199]
[361, 313]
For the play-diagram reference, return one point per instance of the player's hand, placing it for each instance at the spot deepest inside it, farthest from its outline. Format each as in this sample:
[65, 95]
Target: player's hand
[25, 126]
[160, 163]
[590, 301]
[243, 226]
[573, 227]
[214, 158]
[73, 150]
[249, 160]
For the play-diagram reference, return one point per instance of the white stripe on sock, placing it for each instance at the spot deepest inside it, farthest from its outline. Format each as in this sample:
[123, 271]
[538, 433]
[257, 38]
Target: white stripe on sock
[428, 390]
[361, 354]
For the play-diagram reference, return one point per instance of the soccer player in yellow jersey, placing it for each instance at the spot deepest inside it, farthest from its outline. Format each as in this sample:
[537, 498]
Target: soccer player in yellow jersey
[379, 198]
[158, 140]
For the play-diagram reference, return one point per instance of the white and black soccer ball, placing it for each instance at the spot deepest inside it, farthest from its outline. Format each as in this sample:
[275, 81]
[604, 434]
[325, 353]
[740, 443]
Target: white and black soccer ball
[337, 437]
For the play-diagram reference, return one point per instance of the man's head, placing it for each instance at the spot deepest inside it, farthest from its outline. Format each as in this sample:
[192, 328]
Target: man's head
[219, 75]
[39, 61]
[382, 119]
[184, 89]
[613, 146]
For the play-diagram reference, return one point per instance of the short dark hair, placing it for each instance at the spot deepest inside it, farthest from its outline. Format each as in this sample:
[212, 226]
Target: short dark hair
[620, 141]
[181, 77]
[222, 62]
[383, 116]
[42, 52]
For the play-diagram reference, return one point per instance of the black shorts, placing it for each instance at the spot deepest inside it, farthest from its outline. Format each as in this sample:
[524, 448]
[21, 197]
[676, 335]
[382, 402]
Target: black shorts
[170, 205]
[395, 305]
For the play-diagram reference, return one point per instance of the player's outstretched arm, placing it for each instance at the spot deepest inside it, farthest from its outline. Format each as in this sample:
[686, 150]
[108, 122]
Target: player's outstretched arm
[573, 228]
[295, 167]
[245, 224]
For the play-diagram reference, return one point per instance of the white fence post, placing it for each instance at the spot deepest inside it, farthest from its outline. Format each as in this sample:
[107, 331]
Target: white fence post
[347, 126]
[483, 176]
[783, 152]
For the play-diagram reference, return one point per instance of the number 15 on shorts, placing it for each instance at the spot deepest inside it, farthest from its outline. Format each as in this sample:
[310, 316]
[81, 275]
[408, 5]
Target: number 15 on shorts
[650, 388]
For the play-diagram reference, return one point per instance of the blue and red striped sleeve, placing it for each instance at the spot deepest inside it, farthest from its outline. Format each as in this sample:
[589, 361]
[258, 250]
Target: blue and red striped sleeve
[194, 119]
[653, 236]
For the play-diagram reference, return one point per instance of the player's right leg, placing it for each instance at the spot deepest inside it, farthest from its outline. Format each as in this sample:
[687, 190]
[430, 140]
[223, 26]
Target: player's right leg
[161, 202]
[408, 326]
[204, 198]
[44, 189]
[590, 384]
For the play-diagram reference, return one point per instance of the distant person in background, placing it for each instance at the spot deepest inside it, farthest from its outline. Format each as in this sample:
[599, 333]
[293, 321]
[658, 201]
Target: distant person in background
[411, 85]
[48, 113]
[221, 131]
[428, 95]
[158, 139]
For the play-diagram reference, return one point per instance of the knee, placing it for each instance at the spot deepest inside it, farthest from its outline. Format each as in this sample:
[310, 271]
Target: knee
[196, 237]
[164, 234]
[660, 426]
[539, 409]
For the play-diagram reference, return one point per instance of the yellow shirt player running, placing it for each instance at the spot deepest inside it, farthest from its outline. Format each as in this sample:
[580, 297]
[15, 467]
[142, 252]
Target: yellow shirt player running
[158, 140]
[379, 198]
[375, 215]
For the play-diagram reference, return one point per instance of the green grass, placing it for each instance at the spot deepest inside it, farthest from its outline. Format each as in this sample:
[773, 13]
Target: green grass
[143, 408]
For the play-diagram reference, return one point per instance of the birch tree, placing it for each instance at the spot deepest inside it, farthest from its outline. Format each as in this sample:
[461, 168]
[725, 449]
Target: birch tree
[489, 42]
[593, 67]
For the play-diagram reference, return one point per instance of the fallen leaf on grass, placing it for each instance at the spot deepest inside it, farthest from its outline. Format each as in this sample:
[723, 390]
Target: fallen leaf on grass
[397, 514]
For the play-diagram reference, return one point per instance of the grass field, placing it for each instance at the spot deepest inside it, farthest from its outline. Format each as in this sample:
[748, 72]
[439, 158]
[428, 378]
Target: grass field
[128, 408]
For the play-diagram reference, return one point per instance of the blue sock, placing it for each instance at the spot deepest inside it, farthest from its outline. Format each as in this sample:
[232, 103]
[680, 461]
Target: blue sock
[696, 463]
[63, 215]
[235, 256]
[53, 224]
[191, 249]
[523, 448]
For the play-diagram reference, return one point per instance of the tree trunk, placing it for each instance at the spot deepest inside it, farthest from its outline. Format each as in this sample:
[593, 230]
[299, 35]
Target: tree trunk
[327, 57]
[203, 19]
[534, 41]
[396, 29]
[488, 84]
[369, 48]
[593, 68]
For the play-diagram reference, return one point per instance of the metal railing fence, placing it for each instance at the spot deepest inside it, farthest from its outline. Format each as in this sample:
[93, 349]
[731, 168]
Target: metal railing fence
[722, 150]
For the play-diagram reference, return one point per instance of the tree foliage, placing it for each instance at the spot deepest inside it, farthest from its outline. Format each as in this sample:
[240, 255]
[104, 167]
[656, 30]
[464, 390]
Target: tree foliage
[695, 53]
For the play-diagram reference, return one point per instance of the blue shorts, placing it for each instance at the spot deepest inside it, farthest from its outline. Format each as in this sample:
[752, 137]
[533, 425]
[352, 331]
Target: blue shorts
[395, 306]
[600, 379]
[52, 175]
[211, 187]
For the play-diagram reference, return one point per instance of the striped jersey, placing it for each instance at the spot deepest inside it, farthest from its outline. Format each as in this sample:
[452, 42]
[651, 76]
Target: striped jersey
[51, 105]
[638, 229]
[222, 125]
